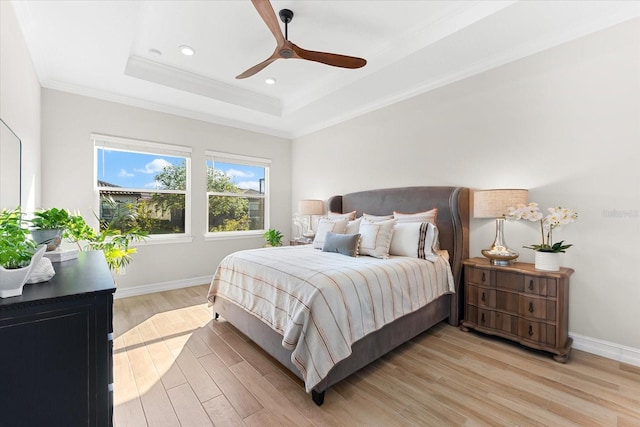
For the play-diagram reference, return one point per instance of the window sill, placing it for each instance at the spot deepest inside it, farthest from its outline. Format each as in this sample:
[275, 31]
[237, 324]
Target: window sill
[162, 240]
[227, 235]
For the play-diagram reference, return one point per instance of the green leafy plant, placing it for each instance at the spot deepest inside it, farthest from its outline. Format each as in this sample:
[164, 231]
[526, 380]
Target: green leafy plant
[273, 237]
[50, 219]
[16, 249]
[109, 239]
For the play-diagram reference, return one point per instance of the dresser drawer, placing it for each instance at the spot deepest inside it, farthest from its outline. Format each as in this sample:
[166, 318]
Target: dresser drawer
[482, 297]
[479, 316]
[479, 276]
[537, 307]
[510, 281]
[507, 323]
[508, 301]
[541, 286]
[539, 332]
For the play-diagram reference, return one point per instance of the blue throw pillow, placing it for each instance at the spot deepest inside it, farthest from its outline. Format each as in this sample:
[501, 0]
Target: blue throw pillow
[345, 244]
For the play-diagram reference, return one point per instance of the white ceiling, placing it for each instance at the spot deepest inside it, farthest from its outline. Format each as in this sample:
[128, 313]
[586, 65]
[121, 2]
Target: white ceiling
[103, 49]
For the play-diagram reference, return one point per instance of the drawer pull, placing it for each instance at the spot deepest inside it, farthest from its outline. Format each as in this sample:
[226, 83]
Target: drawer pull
[483, 298]
[530, 307]
[482, 318]
[530, 330]
[483, 277]
[531, 284]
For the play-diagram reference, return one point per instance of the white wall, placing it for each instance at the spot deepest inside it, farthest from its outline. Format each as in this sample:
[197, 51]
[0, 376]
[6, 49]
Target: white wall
[20, 103]
[67, 170]
[564, 124]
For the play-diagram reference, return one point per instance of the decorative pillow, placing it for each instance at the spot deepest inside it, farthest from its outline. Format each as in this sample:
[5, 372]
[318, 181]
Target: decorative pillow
[349, 215]
[337, 225]
[345, 244]
[426, 216]
[353, 226]
[415, 239]
[377, 217]
[376, 237]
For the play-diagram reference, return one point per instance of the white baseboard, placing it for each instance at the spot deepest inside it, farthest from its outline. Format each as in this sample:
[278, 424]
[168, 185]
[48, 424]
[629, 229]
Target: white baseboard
[602, 348]
[607, 349]
[160, 287]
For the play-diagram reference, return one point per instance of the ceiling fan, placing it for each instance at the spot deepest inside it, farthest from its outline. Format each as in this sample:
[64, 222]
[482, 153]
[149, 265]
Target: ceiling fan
[286, 50]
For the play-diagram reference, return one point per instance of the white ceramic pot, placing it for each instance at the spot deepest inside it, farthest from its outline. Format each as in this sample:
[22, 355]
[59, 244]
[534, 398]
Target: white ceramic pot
[547, 261]
[12, 281]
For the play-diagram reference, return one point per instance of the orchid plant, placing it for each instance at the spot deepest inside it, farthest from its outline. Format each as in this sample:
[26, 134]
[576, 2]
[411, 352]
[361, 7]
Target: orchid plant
[555, 218]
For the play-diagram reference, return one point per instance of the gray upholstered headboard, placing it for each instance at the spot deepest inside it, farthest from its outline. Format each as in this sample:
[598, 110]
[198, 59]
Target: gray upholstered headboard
[452, 220]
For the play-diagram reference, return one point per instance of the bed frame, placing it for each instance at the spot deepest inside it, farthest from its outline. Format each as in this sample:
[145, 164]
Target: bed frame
[453, 225]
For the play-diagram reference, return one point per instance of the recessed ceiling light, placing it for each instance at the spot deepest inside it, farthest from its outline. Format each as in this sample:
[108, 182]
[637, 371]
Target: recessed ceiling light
[270, 81]
[187, 50]
[155, 52]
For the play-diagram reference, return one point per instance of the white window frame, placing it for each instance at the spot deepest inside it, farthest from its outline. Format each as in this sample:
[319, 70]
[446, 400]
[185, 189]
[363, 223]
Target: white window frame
[241, 160]
[147, 147]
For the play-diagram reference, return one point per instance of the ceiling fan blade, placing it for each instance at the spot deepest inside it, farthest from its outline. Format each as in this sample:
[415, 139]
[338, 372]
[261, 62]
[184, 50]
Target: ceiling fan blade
[266, 12]
[330, 58]
[257, 68]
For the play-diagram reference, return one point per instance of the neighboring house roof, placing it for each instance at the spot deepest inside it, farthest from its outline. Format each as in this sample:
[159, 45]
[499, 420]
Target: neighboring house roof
[103, 184]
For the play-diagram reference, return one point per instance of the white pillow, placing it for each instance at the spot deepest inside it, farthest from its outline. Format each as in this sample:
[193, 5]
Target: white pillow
[353, 227]
[336, 225]
[426, 216]
[376, 217]
[375, 237]
[349, 215]
[415, 239]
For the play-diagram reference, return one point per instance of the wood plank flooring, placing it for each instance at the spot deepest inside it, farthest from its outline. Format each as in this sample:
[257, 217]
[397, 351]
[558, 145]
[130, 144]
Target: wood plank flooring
[175, 366]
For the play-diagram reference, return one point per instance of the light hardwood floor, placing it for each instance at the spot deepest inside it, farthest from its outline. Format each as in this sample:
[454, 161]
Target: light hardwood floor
[175, 366]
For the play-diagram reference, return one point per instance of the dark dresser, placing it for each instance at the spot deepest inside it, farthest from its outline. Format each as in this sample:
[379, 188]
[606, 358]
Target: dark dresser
[56, 342]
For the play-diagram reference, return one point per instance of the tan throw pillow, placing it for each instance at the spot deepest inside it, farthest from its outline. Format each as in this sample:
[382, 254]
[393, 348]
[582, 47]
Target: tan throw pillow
[349, 215]
[336, 225]
[375, 237]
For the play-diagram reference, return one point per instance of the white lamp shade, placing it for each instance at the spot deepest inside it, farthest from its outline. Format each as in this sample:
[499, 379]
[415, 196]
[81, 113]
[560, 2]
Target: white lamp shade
[311, 207]
[494, 203]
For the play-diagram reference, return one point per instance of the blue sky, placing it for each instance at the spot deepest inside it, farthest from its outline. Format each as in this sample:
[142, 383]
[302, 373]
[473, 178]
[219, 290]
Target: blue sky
[137, 170]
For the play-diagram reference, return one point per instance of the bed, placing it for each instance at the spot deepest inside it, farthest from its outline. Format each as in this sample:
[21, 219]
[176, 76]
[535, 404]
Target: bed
[368, 345]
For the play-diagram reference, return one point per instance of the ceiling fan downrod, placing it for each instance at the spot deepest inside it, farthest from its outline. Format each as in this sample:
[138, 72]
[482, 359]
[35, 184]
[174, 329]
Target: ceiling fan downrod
[286, 15]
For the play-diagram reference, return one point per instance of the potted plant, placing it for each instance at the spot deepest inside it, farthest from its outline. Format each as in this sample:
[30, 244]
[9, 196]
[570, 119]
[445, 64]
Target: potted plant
[547, 252]
[18, 253]
[48, 227]
[110, 238]
[273, 237]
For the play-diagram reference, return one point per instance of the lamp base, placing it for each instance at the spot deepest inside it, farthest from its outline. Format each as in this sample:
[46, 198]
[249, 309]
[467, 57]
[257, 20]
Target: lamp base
[499, 257]
[499, 253]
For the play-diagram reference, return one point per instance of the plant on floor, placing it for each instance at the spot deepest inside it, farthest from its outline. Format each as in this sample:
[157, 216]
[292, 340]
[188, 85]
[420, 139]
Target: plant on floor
[273, 237]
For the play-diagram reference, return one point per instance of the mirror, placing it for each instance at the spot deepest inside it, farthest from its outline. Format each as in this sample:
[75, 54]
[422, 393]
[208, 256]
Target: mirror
[10, 168]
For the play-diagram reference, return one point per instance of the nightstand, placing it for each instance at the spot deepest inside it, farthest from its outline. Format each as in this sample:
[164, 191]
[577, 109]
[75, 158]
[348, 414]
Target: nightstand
[300, 241]
[519, 303]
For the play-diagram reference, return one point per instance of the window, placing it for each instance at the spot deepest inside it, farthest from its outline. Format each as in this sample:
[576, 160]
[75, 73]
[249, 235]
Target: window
[237, 193]
[142, 185]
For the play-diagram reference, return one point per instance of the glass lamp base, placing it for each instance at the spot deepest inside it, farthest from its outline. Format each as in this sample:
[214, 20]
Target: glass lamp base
[499, 253]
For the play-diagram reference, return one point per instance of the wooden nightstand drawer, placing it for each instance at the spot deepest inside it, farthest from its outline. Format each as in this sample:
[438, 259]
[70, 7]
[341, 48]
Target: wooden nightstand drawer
[539, 308]
[486, 318]
[539, 332]
[479, 276]
[482, 297]
[540, 286]
[511, 281]
[507, 323]
[508, 301]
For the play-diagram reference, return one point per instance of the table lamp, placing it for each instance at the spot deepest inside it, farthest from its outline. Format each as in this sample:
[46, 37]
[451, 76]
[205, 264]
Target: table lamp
[494, 204]
[310, 207]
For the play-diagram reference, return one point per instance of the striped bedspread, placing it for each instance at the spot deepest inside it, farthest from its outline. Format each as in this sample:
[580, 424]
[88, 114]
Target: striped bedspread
[321, 303]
